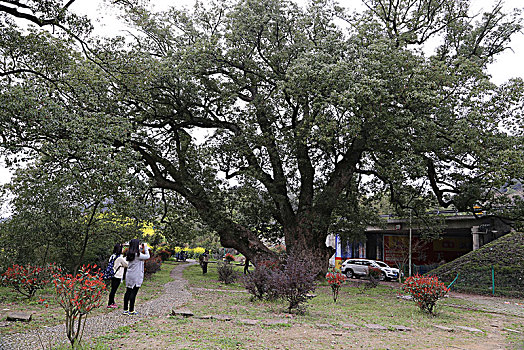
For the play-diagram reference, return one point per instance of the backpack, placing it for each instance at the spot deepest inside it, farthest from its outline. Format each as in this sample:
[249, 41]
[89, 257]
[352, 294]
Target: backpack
[109, 271]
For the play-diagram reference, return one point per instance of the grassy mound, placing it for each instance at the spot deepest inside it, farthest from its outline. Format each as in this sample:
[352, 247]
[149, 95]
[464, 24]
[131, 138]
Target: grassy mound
[474, 269]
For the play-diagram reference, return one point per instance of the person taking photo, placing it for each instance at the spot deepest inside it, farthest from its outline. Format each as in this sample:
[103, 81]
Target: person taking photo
[135, 257]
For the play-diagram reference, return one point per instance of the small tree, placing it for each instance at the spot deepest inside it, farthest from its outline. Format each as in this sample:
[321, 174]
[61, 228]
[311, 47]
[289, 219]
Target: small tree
[400, 249]
[78, 295]
[335, 280]
[425, 291]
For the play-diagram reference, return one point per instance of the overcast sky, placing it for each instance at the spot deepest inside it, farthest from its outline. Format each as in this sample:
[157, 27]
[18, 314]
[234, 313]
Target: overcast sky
[509, 64]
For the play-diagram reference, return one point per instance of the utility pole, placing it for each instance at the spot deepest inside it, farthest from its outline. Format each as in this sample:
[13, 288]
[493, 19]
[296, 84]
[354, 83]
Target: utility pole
[409, 242]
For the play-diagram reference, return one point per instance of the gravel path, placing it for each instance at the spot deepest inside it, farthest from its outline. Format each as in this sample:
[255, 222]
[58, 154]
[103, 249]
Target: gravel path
[175, 294]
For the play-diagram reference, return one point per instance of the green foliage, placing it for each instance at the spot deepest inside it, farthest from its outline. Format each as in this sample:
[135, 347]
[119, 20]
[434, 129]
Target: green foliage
[66, 215]
[307, 119]
[226, 273]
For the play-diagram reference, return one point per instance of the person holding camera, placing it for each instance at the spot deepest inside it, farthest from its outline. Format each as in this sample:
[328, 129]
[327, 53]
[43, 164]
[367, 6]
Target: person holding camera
[135, 257]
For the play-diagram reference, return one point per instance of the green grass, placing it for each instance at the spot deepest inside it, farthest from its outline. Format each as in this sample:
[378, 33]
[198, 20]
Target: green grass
[210, 280]
[379, 305]
[505, 254]
[355, 305]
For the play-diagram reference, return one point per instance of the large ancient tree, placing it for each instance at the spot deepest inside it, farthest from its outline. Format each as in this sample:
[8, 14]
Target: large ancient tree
[303, 113]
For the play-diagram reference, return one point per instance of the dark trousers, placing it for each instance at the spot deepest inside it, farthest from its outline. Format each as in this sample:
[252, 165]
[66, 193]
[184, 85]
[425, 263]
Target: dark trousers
[129, 298]
[115, 282]
[204, 267]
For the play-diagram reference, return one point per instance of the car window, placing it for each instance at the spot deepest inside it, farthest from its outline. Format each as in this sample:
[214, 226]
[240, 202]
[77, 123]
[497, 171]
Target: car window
[380, 263]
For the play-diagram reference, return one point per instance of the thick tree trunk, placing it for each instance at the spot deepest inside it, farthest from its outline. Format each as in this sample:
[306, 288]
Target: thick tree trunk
[307, 240]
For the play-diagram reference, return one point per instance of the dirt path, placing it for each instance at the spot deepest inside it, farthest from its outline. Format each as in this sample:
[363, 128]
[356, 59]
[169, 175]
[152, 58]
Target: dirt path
[500, 305]
[175, 294]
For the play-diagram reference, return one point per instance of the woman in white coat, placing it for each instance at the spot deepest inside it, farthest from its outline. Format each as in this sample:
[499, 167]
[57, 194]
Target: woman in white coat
[119, 264]
[135, 273]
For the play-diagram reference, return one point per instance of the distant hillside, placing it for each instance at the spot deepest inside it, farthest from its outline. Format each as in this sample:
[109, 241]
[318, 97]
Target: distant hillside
[506, 254]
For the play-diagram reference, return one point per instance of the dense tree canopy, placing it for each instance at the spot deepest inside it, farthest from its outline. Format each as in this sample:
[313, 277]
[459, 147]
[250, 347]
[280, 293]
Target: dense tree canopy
[266, 116]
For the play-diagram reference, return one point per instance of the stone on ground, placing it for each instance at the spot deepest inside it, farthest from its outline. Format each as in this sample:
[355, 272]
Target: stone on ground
[276, 321]
[470, 329]
[323, 325]
[375, 327]
[511, 330]
[19, 316]
[447, 329]
[204, 317]
[221, 317]
[349, 326]
[182, 312]
[248, 322]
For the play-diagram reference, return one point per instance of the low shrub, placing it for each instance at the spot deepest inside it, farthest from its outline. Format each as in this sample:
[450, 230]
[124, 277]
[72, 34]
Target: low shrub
[152, 265]
[425, 291]
[226, 273]
[259, 283]
[295, 282]
[28, 279]
[164, 254]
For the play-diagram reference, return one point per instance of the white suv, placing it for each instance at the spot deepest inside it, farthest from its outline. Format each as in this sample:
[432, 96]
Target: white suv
[360, 267]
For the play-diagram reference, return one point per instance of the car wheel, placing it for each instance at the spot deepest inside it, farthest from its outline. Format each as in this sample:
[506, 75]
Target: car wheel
[382, 277]
[349, 273]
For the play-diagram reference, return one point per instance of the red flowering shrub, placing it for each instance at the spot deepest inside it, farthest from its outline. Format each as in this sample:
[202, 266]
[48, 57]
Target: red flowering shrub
[78, 295]
[229, 258]
[335, 280]
[270, 264]
[425, 291]
[28, 279]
